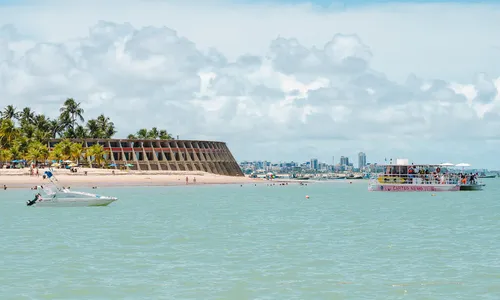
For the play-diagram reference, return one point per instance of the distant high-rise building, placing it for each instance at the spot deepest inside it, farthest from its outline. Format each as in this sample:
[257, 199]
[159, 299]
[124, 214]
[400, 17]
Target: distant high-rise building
[314, 163]
[361, 160]
[344, 161]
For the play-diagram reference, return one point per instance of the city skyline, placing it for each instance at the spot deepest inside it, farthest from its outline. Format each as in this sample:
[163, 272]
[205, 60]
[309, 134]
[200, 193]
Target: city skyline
[353, 164]
[389, 79]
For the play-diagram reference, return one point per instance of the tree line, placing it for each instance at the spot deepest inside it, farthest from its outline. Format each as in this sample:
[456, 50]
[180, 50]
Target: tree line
[24, 134]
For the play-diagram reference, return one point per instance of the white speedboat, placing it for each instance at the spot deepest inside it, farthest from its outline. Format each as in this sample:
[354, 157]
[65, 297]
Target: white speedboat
[61, 197]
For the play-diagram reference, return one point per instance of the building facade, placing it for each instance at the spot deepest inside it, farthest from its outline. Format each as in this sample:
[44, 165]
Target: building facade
[344, 161]
[314, 164]
[165, 155]
[361, 160]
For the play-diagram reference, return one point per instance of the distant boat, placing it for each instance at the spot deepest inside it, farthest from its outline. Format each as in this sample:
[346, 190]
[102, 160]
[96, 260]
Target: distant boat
[483, 175]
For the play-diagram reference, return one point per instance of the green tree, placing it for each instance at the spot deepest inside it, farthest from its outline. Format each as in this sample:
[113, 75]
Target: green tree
[97, 154]
[10, 112]
[154, 133]
[164, 135]
[37, 152]
[8, 133]
[76, 152]
[72, 110]
[64, 149]
[26, 115]
[5, 155]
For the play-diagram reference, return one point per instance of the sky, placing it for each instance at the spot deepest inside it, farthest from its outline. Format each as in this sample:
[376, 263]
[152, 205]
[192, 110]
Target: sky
[277, 80]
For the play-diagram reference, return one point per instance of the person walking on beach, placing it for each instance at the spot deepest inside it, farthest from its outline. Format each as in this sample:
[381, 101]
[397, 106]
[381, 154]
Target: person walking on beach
[187, 180]
[194, 179]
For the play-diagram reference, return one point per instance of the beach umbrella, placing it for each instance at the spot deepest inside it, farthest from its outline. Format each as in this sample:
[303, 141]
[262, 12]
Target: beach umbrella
[73, 165]
[447, 164]
[129, 165]
[68, 161]
[55, 165]
[112, 165]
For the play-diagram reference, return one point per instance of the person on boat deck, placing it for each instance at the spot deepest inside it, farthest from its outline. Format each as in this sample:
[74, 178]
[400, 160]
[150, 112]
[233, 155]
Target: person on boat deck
[472, 178]
[37, 197]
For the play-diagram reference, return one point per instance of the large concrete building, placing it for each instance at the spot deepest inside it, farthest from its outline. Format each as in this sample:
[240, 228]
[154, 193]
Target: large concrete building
[166, 155]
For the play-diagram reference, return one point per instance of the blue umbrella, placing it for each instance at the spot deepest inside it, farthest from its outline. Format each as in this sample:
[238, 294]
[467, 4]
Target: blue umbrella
[112, 165]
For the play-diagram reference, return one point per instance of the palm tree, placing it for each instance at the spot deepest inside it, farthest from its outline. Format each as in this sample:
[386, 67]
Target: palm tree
[72, 110]
[10, 112]
[64, 148]
[76, 150]
[42, 122]
[93, 129]
[56, 128]
[106, 126]
[56, 154]
[16, 151]
[164, 135]
[69, 133]
[81, 132]
[26, 115]
[153, 133]
[27, 130]
[142, 133]
[42, 136]
[8, 133]
[5, 155]
[97, 154]
[37, 152]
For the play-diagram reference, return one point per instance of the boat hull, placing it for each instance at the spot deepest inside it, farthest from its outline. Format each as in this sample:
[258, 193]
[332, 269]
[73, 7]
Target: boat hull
[472, 187]
[413, 187]
[75, 202]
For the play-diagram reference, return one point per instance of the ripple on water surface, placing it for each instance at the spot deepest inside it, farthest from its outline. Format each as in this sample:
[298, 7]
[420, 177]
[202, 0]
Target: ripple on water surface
[254, 242]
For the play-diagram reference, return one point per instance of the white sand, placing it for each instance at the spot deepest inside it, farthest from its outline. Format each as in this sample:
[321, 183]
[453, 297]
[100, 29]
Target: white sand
[99, 177]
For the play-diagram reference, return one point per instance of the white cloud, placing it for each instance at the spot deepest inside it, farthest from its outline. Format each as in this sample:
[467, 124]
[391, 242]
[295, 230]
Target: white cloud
[271, 80]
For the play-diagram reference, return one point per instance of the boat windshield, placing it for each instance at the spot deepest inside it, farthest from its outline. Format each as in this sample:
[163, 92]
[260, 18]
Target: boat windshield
[47, 190]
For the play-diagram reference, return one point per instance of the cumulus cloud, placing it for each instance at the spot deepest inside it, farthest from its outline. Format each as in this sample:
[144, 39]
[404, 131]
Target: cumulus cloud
[329, 98]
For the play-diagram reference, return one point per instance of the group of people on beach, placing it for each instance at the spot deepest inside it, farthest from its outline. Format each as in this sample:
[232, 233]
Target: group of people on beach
[34, 171]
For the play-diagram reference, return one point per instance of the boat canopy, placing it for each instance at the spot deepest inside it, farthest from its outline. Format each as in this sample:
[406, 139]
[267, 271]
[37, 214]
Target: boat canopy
[411, 165]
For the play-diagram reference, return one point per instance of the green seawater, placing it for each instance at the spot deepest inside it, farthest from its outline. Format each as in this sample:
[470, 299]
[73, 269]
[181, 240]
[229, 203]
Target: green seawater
[254, 242]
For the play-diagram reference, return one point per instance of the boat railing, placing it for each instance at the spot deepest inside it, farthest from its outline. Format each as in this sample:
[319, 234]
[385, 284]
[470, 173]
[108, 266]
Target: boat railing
[417, 178]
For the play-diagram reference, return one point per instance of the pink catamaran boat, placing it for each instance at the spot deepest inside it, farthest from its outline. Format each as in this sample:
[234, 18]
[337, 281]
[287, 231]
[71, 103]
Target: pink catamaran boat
[415, 178]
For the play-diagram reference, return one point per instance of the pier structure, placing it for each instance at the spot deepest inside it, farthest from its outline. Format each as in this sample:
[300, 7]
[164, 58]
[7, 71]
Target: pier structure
[164, 155]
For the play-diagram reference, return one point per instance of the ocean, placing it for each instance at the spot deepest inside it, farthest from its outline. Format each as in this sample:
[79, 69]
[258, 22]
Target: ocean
[254, 242]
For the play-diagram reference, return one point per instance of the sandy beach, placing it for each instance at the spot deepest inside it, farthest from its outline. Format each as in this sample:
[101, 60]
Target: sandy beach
[20, 178]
